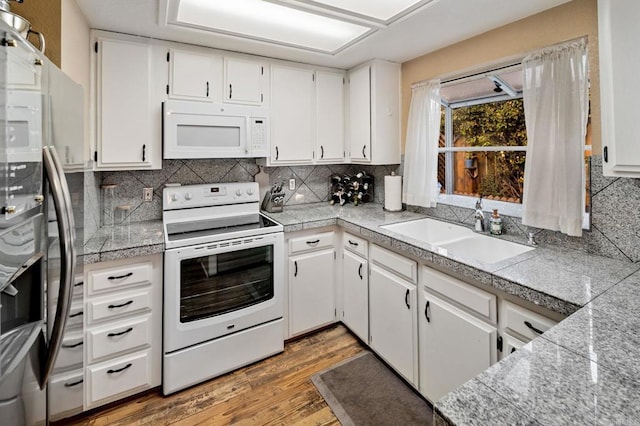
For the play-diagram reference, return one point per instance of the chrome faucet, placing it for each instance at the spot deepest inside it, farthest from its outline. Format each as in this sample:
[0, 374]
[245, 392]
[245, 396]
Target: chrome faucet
[479, 216]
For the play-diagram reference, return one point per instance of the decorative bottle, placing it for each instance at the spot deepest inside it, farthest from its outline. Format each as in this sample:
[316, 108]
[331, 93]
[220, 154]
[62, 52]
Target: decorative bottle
[495, 223]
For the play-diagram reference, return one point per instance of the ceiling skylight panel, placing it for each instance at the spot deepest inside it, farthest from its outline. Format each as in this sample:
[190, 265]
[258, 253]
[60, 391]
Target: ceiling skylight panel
[382, 10]
[263, 20]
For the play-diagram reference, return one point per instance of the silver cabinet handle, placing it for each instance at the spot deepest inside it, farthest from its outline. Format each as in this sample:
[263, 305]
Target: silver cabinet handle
[66, 231]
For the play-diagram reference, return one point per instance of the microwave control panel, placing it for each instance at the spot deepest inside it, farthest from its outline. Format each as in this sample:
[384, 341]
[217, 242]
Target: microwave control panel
[259, 137]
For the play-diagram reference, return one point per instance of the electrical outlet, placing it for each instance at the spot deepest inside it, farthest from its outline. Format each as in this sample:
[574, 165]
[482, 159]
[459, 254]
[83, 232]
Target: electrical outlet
[147, 194]
[292, 184]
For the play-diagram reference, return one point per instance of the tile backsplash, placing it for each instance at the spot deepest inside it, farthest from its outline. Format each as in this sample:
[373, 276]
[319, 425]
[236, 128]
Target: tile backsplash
[615, 202]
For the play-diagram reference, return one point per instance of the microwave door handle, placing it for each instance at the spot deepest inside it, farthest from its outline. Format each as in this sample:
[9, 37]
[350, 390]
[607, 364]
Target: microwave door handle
[248, 140]
[66, 235]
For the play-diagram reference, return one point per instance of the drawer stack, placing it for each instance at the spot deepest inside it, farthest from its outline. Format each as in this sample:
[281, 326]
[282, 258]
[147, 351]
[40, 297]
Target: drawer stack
[123, 329]
[66, 386]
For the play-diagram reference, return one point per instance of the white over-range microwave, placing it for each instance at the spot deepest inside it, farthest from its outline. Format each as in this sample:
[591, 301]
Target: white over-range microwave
[201, 130]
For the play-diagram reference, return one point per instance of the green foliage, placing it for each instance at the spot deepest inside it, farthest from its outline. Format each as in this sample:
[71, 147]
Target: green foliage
[492, 124]
[495, 124]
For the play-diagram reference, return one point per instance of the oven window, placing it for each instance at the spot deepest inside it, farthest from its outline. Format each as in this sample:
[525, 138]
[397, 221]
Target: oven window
[225, 282]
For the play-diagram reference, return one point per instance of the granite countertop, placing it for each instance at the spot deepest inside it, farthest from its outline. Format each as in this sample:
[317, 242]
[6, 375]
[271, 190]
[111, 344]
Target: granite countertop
[532, 276]
[585, 370]
[120, 242]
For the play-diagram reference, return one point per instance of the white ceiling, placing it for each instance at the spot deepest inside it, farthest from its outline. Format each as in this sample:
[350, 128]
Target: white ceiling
[433, 26]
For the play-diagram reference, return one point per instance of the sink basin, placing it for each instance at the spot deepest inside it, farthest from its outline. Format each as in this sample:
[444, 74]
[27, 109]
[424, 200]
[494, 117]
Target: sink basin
[430, 231]
[484, 249]
[458, 240]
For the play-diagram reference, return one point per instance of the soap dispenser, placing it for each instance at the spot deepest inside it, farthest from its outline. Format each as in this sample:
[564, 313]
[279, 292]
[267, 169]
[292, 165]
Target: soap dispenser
[495, 223]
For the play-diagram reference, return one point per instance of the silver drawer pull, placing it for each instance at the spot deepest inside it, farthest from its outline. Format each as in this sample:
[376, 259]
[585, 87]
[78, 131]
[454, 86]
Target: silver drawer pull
[118, 370]
[128, 330]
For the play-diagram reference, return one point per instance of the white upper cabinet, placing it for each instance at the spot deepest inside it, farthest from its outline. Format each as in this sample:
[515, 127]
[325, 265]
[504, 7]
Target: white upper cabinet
[292, 115]
[243, 81]
[329, 117]
[193, 75]
[127, 108]
[374, 113]
[618, 34]
[360, 114]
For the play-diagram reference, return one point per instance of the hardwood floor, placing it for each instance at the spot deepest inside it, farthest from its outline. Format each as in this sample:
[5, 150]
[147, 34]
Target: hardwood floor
[276, 391]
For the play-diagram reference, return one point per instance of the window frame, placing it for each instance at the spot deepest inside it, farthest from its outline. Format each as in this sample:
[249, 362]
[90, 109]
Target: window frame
[465, 201]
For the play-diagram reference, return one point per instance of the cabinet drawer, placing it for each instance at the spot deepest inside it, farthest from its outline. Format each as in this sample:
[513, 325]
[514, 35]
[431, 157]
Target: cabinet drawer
[355, 244]
[116, 278]
[524, 322]
[478, 301]
[121, 337]
[312, 242]
[71, 350]
[405, 268]
[124, 375]
[118, 305]
[65, 394]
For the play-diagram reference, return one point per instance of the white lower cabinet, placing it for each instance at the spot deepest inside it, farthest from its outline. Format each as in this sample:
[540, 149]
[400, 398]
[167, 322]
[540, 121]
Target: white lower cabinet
[519, 325]
[118, 376]
[458, 336]
[454, 346]
[311, 282]
[123, 328]
[393, 313]
[66, 394]
[355, 294]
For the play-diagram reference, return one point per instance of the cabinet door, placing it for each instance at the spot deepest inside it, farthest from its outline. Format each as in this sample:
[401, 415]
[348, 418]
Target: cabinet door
[329, 117]
[292, 115]
[125, 112]
[191, 75]
[360, 114]
[355, 293]
[243, 81]
[392, 321]
[454, 346]
[619, 86]
[311, 291]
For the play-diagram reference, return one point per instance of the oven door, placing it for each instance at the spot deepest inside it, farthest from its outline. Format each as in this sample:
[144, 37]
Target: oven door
[211, 290]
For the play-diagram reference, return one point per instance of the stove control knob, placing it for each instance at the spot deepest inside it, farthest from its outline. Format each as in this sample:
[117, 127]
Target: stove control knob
[238, 192]
[249, 191]
[174, 197]
[188, 196]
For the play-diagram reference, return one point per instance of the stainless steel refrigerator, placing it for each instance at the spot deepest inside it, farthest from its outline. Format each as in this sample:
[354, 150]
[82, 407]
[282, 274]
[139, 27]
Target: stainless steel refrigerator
[41, 207]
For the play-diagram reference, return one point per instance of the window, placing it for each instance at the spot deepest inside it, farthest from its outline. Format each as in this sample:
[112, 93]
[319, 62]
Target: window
[483, 140]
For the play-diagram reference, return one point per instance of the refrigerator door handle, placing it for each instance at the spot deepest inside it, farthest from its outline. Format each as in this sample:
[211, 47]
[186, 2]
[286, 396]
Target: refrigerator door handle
[66, 235]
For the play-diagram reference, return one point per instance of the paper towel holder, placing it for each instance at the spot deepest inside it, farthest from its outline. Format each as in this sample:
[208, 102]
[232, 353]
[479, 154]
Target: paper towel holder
[403, 206]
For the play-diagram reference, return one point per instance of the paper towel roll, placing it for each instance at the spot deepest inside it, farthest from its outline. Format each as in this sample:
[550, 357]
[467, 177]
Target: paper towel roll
[393, 193]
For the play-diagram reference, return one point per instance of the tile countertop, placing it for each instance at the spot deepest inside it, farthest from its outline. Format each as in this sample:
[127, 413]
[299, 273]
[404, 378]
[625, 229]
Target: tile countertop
[120, 242]
[585, 370]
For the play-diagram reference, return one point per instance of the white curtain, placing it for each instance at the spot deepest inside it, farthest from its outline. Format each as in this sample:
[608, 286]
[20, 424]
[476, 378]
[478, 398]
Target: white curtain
[420, 184]
[556, 107]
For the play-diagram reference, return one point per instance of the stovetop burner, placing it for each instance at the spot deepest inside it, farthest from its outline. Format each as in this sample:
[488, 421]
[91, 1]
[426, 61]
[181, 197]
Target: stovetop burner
[197, 214]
